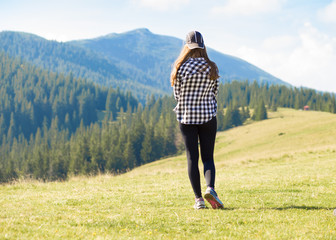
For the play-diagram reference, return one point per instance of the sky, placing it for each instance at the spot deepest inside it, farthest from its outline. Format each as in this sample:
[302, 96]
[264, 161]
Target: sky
[294, 40]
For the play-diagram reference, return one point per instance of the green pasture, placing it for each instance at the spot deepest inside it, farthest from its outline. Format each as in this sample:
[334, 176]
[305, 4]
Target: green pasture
[277, 179]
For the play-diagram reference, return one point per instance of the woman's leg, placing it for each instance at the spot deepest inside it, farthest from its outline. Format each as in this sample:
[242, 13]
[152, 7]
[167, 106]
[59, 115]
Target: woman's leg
[207, 135]
[190, 136]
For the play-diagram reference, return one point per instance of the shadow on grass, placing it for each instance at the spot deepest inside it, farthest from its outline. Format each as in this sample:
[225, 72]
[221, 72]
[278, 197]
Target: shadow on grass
[301, 207]
[220, 209]
[225, 209]
[308, 208]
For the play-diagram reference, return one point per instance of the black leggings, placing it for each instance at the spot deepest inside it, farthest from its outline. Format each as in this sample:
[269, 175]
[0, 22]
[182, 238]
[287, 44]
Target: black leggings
[206, 133]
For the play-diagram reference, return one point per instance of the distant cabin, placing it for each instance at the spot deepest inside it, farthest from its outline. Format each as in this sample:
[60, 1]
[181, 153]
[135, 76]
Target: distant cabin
[306, 108]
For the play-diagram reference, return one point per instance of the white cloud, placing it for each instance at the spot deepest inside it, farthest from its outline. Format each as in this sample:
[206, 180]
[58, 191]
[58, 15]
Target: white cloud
[306, 59]
[280, 43]
[328, 14]
[164, 5]
[248, 7]
[312, 64]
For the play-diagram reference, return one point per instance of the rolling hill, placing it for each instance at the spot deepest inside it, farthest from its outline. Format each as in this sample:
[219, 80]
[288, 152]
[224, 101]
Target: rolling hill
[275, 177]
[139, 60]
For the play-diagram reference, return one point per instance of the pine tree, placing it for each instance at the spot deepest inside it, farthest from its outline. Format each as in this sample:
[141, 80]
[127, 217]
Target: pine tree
[147, 153]
[245, 114]
[227, 121]
[2, 127]
[260, 113]
[232, 118]
[220, 117]
[236, 118]
[129, 154]
[12, 130]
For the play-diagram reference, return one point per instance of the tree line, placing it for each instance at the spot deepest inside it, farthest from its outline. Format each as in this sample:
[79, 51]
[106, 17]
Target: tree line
[133, 139]
[240, 93]
[53, 126]
[236, 98]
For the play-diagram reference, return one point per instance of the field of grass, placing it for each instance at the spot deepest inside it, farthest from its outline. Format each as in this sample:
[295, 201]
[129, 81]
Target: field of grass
[277, 179]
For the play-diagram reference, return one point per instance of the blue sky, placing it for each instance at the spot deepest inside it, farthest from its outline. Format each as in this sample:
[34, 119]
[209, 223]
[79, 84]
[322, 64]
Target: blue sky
[295, 40]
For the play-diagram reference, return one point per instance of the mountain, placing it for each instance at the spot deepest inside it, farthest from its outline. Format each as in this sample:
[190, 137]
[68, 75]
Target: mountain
[153, 55]
[146, 56]
[57, 56]
[138, 60]
[65, 58]
[233, 68]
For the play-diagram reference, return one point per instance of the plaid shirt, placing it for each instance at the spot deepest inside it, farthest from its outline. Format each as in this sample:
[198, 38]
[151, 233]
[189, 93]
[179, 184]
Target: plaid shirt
[195, 92]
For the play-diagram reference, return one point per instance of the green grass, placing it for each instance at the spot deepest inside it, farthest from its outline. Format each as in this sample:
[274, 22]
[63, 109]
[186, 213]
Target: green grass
[275, 177]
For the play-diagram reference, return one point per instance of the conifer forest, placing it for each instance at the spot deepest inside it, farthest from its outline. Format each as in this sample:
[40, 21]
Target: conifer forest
[53, 126]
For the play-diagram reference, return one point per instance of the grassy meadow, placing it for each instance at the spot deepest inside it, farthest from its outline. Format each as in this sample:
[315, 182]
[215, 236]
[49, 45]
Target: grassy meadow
[276, 178]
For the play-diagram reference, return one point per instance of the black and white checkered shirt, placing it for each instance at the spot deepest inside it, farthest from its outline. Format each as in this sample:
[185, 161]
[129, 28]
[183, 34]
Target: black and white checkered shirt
[195, 92]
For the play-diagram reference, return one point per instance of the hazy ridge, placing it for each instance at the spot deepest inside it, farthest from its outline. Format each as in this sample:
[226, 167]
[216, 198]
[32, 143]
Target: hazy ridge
[138, 60]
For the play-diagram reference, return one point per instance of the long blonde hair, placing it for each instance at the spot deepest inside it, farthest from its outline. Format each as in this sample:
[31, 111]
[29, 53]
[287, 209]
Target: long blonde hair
[186, 53]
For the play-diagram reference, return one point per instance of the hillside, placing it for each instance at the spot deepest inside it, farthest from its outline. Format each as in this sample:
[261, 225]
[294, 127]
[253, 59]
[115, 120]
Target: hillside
[275, 177]
[65, 58]
[141, 52]
[32, 99]
[55, 126]
[58, 56]
[138, 60]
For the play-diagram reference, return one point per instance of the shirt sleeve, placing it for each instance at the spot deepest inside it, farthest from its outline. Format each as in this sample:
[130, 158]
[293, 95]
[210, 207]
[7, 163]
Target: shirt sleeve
[177, 87]
[215, 87]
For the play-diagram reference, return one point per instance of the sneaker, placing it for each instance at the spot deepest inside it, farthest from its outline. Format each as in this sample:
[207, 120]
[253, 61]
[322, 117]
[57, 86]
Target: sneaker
[211, 196]
[199, 203]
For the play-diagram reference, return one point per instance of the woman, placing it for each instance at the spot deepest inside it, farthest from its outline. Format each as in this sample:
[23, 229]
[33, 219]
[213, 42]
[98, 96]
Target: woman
[195, 81]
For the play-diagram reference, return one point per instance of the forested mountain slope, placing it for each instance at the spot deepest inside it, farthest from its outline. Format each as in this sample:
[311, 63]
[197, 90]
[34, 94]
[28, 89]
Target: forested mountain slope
[32, 99]
[65, 58]
[54, 125]
[138, 60]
